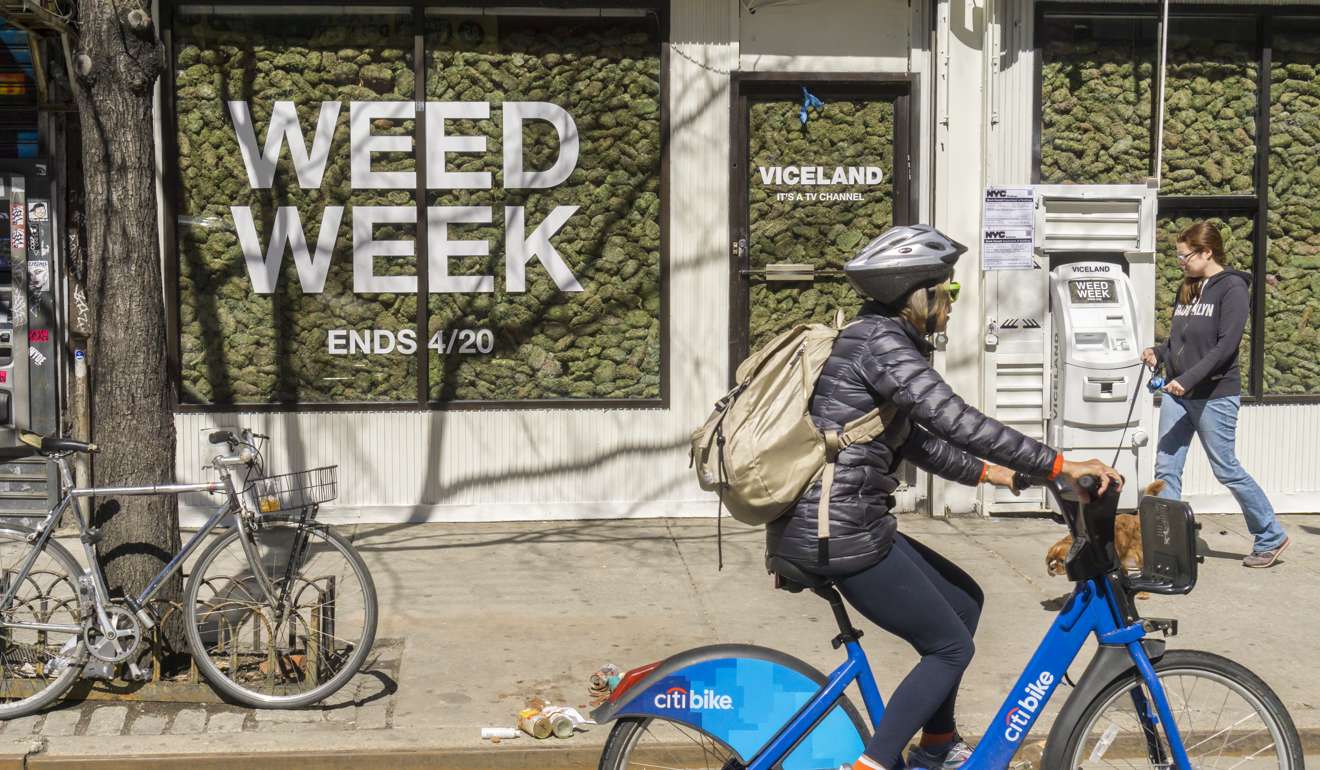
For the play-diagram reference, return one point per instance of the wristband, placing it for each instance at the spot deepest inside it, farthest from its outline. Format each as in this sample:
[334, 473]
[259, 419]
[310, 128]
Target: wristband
[1058, 467]
[985, 471]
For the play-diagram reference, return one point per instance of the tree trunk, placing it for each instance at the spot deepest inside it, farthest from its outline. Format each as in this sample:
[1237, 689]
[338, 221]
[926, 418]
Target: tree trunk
[118, 61]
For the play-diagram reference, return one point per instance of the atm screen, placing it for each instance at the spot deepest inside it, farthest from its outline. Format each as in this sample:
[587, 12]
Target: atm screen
[1091, 291]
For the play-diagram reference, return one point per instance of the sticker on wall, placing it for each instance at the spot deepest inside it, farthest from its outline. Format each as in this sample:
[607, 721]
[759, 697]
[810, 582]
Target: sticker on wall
[39, 335]
[4, 376]
[1008, 236]
[38, 275]
[39, 242]
[37, 356]
[38, 211]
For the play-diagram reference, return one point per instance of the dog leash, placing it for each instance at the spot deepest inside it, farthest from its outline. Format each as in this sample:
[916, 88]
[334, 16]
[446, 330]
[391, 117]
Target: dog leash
[1132, 406]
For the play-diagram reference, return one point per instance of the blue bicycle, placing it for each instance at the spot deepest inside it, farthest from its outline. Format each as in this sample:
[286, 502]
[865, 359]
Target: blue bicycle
[1136, 705]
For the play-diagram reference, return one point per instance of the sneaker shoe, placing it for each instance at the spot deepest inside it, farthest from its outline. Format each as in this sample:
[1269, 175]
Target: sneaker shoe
[945, 759]
[1262, 559]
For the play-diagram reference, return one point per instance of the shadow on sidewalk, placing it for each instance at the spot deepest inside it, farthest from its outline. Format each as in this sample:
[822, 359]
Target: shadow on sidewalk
[395, 538]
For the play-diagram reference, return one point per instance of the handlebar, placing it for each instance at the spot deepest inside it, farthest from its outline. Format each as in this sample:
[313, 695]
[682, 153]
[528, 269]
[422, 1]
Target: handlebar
[1090, 521]
[224, 435]
[1057, 487]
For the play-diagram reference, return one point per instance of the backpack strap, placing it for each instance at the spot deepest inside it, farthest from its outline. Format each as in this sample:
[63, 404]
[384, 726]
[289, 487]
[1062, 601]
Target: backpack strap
[858, 431]
[833, 446]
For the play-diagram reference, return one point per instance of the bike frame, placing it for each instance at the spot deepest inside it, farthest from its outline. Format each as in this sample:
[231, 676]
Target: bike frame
[1093, 608]
[93, 571]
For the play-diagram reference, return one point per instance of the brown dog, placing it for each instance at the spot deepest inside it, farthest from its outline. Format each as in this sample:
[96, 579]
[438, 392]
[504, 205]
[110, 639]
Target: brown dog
[1127, 540]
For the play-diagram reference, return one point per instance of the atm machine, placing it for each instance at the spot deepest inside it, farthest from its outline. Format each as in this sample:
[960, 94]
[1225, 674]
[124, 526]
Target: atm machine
[1064, 338]
[30, 351]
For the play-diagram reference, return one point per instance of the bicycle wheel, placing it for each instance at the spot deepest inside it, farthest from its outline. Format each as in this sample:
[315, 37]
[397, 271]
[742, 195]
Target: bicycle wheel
[1227, 717]
[302, 646]
[37, 667]
[651, 744]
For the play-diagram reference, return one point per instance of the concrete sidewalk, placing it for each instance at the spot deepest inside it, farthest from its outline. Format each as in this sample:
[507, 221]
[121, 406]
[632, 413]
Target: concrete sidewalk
[478, 618]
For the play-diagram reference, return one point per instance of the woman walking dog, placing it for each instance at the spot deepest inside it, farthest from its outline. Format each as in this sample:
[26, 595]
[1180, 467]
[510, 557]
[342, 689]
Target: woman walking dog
[1200, 359]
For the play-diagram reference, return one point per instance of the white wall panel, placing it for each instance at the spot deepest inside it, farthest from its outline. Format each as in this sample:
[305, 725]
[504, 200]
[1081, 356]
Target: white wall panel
[1279, 445]
[825, 35]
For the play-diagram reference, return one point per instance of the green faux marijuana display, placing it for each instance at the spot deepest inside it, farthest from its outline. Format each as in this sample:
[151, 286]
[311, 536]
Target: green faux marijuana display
[1292, 304]
[523, 334]
[605, 341]
[818, 224]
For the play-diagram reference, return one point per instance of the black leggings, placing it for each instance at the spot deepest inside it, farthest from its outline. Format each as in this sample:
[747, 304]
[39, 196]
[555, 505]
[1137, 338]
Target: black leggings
[925, 599]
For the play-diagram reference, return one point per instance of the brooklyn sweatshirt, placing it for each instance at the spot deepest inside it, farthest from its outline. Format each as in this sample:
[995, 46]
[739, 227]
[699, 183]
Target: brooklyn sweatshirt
[1201, 352]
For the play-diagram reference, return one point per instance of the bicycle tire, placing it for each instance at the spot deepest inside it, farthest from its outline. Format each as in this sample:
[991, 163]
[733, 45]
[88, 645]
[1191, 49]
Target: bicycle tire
[234, 690]
[627, 731]
[1202, 665]
[47, 695]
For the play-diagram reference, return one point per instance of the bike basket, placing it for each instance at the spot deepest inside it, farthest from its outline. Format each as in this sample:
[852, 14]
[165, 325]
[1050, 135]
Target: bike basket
[295, 491]
[1168, 547]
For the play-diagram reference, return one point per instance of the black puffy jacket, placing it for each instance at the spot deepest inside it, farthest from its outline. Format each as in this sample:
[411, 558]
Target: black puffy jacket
[882, 359]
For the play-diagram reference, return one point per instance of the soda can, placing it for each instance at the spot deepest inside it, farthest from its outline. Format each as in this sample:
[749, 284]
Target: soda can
[534, 723]
[562, 725]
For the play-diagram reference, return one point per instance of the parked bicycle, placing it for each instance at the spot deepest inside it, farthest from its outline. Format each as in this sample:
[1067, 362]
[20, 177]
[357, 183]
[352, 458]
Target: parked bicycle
[279, 611]
[1136, 705]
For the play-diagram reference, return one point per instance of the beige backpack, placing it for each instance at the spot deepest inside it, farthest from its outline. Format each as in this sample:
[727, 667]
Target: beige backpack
[760, 449]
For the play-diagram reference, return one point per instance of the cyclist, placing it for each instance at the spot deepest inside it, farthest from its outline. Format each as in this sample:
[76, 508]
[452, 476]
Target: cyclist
[899, 584]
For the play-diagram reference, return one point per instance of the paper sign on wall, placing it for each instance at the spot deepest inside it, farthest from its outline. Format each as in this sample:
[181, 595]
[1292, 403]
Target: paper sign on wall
[1008, 229]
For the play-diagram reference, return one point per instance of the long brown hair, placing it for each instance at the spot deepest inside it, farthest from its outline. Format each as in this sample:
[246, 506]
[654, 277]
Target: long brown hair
[916, 310]
[1201, 236]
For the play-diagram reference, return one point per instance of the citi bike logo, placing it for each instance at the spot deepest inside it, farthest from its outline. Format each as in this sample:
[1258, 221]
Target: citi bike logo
[682, 698]
[1021, 715]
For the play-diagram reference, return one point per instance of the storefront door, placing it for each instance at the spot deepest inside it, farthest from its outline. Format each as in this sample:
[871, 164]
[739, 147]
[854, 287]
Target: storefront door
[821, 164]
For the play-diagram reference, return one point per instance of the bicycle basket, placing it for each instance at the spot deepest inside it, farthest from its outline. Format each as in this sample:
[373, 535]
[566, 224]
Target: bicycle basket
[1168, 545]
[295, 491]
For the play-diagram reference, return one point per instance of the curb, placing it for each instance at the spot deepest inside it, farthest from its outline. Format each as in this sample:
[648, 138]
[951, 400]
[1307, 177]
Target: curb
[487, 758]
[365, 759]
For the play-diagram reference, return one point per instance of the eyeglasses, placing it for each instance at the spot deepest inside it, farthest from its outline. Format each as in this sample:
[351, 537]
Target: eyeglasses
[1184, 256]
[952, 287]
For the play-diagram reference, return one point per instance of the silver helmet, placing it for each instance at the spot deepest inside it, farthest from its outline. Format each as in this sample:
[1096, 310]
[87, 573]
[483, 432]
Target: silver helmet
[902, 259]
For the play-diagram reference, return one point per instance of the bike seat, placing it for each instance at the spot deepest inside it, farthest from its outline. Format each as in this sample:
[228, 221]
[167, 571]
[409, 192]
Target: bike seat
[50, 444]
[791, 578]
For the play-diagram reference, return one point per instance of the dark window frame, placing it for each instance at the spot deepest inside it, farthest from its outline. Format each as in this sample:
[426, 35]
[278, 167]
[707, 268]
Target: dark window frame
[170, 183]
[1254, 205]
[745, 87]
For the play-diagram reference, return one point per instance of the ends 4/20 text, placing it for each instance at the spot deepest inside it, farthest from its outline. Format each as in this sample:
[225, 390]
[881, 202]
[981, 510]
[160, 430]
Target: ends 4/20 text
[347, 342]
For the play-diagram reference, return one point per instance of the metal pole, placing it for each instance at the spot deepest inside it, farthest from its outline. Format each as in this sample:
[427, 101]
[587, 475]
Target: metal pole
[1159, 119]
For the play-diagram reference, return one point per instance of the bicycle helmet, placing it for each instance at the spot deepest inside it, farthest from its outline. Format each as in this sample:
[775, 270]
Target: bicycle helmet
[903, 258]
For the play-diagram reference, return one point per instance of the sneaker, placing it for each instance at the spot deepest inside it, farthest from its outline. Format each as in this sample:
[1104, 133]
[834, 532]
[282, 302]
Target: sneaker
[946, 759]
[1262, 559]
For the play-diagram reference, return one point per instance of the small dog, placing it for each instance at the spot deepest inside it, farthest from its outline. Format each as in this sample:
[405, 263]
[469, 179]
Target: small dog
[1127, 540]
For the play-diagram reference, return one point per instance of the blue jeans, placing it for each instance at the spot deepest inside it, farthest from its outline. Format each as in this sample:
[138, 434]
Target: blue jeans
[1215, 421]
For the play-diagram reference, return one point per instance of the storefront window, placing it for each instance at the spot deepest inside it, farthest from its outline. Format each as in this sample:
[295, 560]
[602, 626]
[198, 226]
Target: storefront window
[1237, 232]
[1096, 100]
[578, 314]
[1292, 301]
[304, 249]
[818, 219]
[1210, 108]
[1090, 65]
[251, 331]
